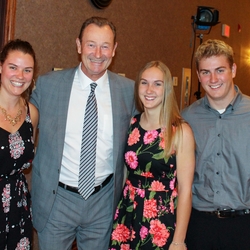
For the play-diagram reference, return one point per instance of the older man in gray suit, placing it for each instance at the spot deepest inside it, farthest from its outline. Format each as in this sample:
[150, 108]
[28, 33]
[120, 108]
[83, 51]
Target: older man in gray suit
[61, 212]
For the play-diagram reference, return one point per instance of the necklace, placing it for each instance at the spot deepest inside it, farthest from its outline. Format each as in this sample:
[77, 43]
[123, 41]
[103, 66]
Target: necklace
[13, 121]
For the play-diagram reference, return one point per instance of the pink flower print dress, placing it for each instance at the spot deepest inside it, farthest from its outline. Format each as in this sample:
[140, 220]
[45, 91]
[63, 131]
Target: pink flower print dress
[16, 154]
[146, 214]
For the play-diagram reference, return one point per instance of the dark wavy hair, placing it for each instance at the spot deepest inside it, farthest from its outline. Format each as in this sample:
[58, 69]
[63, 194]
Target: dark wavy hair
[100, 22]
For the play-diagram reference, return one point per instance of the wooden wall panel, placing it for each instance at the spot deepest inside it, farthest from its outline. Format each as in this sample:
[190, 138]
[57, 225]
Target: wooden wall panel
[147, 30]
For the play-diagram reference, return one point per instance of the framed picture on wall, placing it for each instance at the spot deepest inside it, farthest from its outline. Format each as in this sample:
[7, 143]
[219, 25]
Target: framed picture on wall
[185, 88]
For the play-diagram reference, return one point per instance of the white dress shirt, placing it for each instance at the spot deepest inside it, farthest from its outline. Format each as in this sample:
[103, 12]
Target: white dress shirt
[73, 137]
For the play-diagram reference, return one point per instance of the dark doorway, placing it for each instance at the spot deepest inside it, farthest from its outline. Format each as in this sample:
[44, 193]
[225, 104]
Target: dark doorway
[3, 8]
[7, 20]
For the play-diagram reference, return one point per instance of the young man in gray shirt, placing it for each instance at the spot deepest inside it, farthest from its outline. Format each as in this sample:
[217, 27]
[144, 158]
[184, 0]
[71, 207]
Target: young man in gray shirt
[220, 121]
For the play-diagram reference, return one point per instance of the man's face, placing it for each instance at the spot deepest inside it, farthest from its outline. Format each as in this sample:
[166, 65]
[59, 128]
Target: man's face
[216, 78]
[96, 49]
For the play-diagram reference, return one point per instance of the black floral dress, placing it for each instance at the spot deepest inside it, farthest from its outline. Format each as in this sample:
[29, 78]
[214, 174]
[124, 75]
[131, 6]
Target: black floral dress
[16, 154]
[145, 216]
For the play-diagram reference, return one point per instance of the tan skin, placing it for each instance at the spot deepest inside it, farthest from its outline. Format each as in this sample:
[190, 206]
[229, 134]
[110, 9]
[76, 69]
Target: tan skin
[97, 50]
[216, 77]
[16, 76]
[151, 91]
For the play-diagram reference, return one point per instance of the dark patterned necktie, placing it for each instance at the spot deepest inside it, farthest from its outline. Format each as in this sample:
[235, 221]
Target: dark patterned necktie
[86, 181]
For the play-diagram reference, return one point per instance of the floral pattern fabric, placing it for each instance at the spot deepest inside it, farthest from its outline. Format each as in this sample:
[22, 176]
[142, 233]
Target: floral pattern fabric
[16, 154]
[146, 214]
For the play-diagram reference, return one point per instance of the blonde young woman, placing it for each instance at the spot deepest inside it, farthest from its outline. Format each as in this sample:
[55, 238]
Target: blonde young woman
[18, 122]
[154, 211]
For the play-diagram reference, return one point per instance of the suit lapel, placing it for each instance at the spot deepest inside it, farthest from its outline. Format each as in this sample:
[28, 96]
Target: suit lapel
[116, 109]
[64, 89]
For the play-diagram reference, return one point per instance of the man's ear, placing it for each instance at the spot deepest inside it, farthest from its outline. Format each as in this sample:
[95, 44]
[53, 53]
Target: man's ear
[78, 45]
[115, 46]
[234, 69]
[198, 75]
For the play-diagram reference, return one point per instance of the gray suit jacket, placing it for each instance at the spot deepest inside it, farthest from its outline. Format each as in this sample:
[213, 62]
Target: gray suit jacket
[51, 97]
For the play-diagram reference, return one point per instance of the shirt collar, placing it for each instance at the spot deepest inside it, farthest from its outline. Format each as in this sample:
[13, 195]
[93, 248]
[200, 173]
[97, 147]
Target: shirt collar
[86, 81]
[236, 100]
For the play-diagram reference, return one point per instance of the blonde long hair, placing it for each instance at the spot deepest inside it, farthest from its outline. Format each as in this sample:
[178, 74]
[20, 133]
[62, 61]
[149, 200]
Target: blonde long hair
[170, 119]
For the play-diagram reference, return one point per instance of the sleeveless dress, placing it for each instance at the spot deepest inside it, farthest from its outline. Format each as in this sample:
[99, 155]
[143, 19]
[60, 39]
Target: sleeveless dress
[146, 214]
[16, 154]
